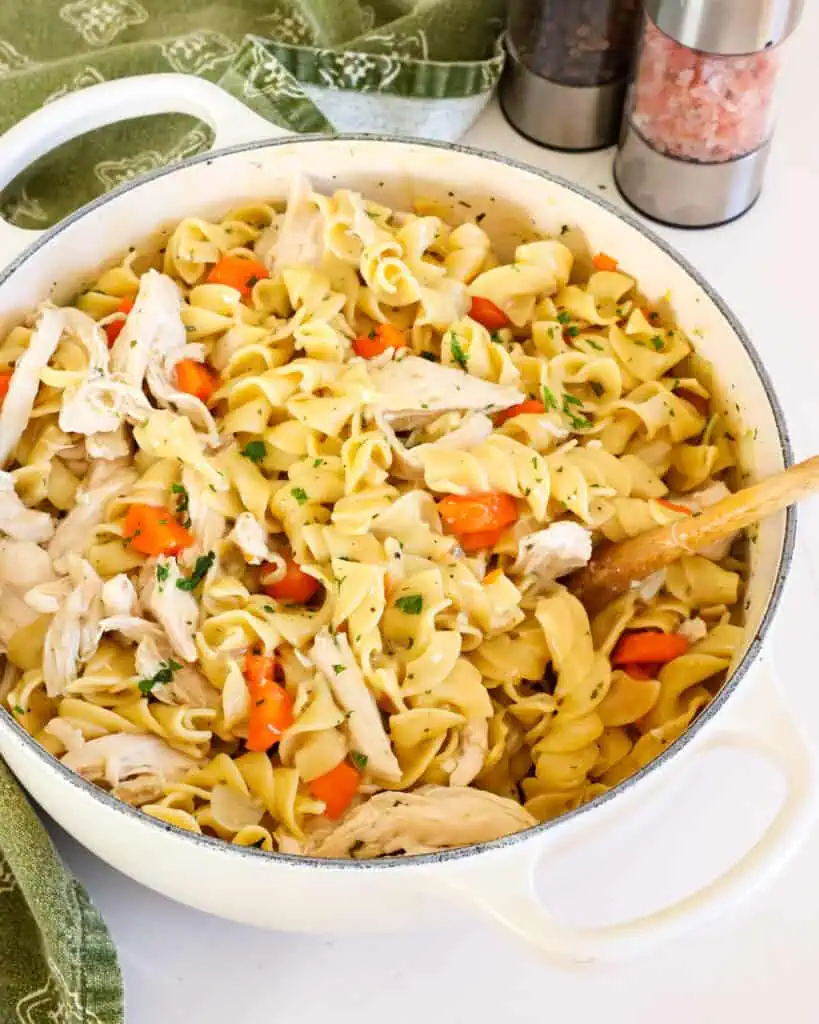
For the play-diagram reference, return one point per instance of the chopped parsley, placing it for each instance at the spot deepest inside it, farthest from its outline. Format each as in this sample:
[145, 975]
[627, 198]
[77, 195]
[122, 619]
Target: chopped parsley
[300, 495]
[570, 400]
[429, 356]
[268, 608]
[164, 675]
[200, 569]
[495, 336]
[317, 463]
[458, 353]
[575, 415]
[359, 759]
[657, 343]
[338, 669]
[411, 604]
[564, 317]
[572, 331]
[182, 504]
[162, 572]
[549, 399]
[255, 451]
[593, 344]
[18, 710]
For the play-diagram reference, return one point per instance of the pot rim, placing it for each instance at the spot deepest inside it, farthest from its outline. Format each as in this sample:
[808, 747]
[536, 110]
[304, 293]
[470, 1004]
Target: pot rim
[216, 846]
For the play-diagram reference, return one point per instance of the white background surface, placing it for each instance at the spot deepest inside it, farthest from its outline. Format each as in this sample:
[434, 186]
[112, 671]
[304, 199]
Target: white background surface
[758, 964]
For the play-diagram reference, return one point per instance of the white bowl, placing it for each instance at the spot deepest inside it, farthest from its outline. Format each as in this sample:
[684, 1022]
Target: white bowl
[297, 893]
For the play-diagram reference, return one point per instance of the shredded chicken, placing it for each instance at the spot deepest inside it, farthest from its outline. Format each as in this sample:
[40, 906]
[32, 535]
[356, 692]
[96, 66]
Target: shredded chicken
[124, 758]
[332, 656]
[250, 537]
[109, 446]
[474, 744]
[24, 567]
[693, 630]
[551, 553]
[107, 480]
[427, 819]
[176, 610]
[300, 236]
[206, 524]
[119, 596]
[75, 630]
[412, 391]
[16, 520]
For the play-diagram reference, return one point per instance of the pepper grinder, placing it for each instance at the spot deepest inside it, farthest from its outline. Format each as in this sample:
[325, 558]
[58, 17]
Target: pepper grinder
[567, 69]
[700, 111]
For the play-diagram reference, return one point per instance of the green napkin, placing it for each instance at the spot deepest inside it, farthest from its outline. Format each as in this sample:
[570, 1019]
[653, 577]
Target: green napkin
[413, 67]
[57, 963]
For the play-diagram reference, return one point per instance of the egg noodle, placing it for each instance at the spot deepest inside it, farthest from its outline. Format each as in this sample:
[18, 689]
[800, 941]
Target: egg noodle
[284, 512]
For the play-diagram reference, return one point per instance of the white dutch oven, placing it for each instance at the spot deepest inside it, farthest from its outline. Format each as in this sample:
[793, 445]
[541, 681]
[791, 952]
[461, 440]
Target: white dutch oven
[301, 894]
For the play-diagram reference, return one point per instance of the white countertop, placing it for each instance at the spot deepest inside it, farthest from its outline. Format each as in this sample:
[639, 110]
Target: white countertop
[758, 964]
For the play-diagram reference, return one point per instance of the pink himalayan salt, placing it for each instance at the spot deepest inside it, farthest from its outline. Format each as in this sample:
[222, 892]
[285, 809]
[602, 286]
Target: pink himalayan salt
[699, 106]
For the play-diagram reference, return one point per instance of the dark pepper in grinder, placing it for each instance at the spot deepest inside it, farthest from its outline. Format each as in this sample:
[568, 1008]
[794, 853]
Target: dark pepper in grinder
[575, 42]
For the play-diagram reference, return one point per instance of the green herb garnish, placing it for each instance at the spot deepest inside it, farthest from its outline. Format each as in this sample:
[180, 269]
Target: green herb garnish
[200, 569]
[359, 759]
[162, 572]
[593, 344]
[411, 604]
[564, 317]
[255, 451]
[429, 356]
[338, 669]
[164, 675]
[458, 353]
[657, 342]
[182, 504]
[549, 399]
[300, 495]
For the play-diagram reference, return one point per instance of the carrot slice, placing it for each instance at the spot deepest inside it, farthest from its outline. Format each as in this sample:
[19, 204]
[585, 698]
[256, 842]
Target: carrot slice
[113, 329]
[700, 403]
[238, 272]
[385, 336]
[481, 539]
[602, 261]
[337, 788]
[295, 585]
[642, 672]
[485, 312]
[648, 646]
[271, 707]
[5, 381]
[532, 405]
[195, 379]
[673, 506]
[478, 513]
[152, 530]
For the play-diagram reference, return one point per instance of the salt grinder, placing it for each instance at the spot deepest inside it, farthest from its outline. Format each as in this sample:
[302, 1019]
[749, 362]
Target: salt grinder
[701, 105]
[567, 69]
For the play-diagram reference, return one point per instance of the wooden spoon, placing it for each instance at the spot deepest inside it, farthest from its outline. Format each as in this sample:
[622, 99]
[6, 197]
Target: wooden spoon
[614, 567]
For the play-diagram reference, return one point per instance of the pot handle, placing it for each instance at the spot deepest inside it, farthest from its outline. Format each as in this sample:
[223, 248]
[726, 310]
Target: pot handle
[119, 100]
[504, 890]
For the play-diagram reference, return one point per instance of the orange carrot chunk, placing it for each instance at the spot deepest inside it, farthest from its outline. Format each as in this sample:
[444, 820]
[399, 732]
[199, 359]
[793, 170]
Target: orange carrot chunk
[602, 261]
[5, 380]
[385, 336]
[337, 788]
[531, 405]
[113, 329]
[295, 585]
[673, 506]
[238, 272]
[152, 530]
[648, 647]
[478, 513]
[271, 707]
[480, 539]
[486, 313]
[195, 379]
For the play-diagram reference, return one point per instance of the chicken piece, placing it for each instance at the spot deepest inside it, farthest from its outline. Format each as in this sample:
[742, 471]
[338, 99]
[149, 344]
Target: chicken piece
[693, 630]
[250, 537]
[109, 445]
[16, 520]
[188, 686]
[25, 381]
[152, 341]
[300, 236]
[553, 552]
[105, 482]
[472, 749]
[703, 498]
[651, 586]
[334, 658]
[75, 630]
[125, 758]
[206, 524]
[412, 391]
[119, 596]
[175, 610]
[427, 819]
[24, 567]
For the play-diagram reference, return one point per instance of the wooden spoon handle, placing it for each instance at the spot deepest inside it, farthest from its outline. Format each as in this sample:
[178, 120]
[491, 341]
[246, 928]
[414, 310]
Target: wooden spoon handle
[615, 567]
